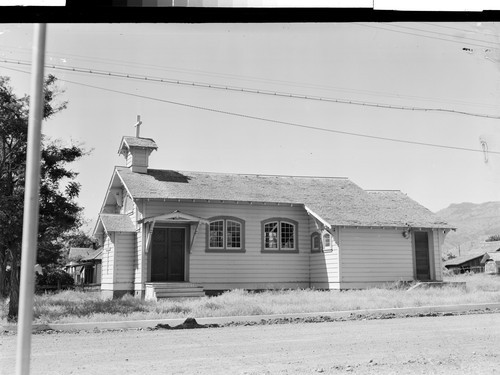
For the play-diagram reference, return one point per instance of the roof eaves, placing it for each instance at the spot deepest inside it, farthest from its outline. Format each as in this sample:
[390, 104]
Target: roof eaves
[317, 217]
[123, 183]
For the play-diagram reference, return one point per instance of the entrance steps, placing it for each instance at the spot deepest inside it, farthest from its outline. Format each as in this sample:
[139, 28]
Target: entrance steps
[155, 291]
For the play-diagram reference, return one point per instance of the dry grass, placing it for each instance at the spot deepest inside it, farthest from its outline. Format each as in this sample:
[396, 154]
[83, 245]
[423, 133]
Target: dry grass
[72, 306]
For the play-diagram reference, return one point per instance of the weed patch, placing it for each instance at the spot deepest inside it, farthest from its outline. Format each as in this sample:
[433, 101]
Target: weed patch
[74, 306]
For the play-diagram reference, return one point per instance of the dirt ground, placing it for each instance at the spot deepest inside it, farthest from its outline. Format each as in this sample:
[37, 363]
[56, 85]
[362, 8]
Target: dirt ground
[427, 345]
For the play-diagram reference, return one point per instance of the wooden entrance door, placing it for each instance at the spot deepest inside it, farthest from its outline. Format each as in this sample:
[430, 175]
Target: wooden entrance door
[168, 254]
[422, 256]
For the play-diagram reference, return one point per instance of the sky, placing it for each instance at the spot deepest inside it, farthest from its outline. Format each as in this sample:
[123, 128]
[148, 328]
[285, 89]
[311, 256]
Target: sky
[450, 69]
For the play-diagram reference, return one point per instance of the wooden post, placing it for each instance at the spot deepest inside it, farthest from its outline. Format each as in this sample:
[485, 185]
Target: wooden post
[31, 204]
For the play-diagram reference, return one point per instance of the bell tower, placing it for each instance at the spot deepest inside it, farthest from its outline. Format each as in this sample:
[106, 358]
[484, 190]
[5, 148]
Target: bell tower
[136, 150]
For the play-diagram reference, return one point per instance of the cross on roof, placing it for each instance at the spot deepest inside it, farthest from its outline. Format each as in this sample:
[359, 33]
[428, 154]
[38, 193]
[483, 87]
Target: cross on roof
[138, 126]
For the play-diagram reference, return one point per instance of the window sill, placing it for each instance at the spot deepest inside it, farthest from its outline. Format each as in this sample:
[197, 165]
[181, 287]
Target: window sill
[266, 251]
[321, 251]
[225, 251]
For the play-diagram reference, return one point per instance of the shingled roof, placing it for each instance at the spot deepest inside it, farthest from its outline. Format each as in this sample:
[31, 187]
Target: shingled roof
[336, 200]
[138, 142]
[462, 259]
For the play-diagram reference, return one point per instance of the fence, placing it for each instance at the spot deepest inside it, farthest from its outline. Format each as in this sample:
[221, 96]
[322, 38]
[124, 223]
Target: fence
[470, 269]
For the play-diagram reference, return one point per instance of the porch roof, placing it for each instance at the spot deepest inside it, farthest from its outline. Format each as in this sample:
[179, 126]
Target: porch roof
[175, 216]
[114, 223]
[336, 200]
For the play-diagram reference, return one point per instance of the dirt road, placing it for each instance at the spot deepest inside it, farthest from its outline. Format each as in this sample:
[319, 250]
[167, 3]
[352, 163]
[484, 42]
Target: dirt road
[431, 345]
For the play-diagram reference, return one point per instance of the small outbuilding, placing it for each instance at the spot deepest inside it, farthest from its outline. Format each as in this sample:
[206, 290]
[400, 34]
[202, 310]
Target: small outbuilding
[85, 265]
[491, 262]
[465, 263]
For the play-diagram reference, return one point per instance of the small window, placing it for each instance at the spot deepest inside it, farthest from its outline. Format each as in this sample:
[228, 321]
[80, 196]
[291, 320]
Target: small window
[321, 241]
[279, 235]
[327, 241]
[225, 234]
[315, 242]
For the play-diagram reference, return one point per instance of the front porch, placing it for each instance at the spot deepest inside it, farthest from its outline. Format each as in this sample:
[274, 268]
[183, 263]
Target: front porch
[158, 290]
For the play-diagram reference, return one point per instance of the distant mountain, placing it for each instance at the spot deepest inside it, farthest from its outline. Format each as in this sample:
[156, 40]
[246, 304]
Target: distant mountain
[474, 222]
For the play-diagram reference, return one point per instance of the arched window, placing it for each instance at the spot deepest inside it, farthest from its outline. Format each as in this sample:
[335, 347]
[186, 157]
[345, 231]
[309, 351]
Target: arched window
[327, 241]
[316, 242]
[225, 234]
[279, 234]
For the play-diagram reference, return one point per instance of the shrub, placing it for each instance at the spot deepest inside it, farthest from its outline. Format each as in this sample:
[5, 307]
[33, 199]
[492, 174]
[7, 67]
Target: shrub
[53, 280]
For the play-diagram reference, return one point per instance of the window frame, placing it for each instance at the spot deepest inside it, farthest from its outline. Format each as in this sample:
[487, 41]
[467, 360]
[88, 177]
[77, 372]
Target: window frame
[225, 248]
[279, 249]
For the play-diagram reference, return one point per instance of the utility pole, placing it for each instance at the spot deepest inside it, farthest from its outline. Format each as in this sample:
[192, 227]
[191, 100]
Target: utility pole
[31, 204]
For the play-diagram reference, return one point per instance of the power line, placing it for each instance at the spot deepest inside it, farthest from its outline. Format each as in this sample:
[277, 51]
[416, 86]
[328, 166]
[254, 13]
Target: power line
[274, 121]
[283, 122]
[424, 36]
[458, 29]
[438, 33]
[281, 82]
[252, 91]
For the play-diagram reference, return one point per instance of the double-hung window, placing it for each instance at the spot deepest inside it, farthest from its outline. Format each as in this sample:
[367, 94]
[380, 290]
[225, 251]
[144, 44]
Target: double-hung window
[225, 234]
[279, 235]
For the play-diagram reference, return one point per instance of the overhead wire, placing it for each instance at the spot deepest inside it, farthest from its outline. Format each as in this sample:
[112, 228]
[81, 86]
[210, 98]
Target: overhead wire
[274, 121]
[252, 91]
[267, 80]
[437, 33]
[457, 29]
[378, 26]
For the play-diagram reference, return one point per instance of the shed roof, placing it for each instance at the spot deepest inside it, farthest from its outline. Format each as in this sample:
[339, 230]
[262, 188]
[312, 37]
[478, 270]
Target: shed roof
[458, 261]
[116, 223]
[337, 200]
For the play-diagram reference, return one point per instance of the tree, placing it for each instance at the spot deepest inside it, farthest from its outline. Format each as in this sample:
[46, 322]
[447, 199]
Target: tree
[59, 212]
[493, 238]
[80, 239]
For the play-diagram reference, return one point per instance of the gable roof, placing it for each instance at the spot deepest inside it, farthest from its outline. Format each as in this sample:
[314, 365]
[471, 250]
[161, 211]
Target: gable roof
[491, 256]
[80, 252]
[337, 200]
[96, 255]
[137, 142]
